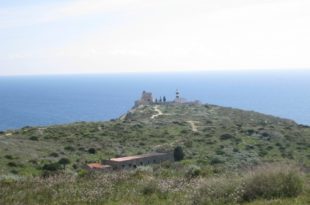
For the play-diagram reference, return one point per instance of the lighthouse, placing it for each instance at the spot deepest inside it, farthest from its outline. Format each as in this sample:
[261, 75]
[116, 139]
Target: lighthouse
[177, 95]
[178, 98]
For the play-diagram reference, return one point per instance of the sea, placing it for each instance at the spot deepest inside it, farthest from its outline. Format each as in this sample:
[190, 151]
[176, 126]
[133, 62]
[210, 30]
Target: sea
[61, 99]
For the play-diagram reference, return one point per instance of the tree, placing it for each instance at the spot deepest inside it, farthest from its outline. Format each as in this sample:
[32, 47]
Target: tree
[64, 162]
[178, 153]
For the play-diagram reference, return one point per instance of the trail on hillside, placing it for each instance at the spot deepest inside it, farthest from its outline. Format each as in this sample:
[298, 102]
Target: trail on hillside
[193, 125]
[159, 112]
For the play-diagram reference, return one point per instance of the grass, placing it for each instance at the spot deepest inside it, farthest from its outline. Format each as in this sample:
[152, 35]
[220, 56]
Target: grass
[153, 185]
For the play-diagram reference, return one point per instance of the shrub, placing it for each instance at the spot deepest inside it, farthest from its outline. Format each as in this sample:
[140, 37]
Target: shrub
[220, 151]
[69, 148]
[250, 131]
[178, 153]
[235, 149]
[218, 191]
[150, 188]
[273, 182]
[249, 147]
[54, 154]
[14, 171]
[92, 151]
[12, 164]
[34, 138]
[216, 160]
[33, 161]
[263, 183]
[51, 167]
[64, 162]
[262, 153]
[9, 156]
[226, 136]
[188, 143]
[83, 173]
[193, 171]
[74, 166]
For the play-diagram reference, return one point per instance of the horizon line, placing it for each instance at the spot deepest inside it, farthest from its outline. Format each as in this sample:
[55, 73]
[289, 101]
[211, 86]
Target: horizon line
[160, 72]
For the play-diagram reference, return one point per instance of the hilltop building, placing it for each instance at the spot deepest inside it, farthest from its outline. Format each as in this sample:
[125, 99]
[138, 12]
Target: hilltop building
[145, 99]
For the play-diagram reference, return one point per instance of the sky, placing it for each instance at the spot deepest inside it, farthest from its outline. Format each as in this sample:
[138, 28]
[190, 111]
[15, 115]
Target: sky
[115, 36]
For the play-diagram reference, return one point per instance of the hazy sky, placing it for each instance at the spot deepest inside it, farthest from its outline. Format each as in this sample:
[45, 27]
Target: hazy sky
[100, 36]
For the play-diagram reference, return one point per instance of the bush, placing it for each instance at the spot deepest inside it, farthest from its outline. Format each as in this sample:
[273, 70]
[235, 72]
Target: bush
[226, 136]
[216, 160]
[64, 162]
[12, 164]
[83, 173]
[263, 183]
[235, 149]
[178, 153]
[150, 188]
[34, 138]
[9, 156]
[51, 167]
[218, 191]
[193, 171]
[69, 148]
[92, 151]
[273, 183]
[54, 154]
[14, 171]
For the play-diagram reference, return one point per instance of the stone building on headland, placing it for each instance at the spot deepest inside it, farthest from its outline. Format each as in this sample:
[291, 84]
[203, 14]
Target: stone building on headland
[145, 99]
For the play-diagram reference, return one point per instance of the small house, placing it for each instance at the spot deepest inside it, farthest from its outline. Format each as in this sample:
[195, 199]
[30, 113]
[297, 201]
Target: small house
[132, 162]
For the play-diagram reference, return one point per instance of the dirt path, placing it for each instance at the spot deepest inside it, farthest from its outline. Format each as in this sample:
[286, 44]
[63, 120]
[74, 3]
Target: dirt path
[193, 125]
[159, 112]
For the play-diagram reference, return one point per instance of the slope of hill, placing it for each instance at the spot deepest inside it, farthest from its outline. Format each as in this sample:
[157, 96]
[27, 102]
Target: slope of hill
[231, 157]
[209, 135]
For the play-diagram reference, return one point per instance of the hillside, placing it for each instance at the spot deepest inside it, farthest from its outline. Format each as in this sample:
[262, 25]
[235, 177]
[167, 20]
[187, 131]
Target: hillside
[209, 134]
[231, 157]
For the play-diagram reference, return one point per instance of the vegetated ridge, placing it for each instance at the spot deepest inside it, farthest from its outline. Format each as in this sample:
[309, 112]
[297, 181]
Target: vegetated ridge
[231, 157]
[209, 135]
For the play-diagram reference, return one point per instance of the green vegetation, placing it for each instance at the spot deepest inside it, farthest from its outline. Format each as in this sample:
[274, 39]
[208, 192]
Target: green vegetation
[166, 184]
[224, 152]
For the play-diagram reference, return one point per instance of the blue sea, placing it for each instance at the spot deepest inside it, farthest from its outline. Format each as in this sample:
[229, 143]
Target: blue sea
[49, 100]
